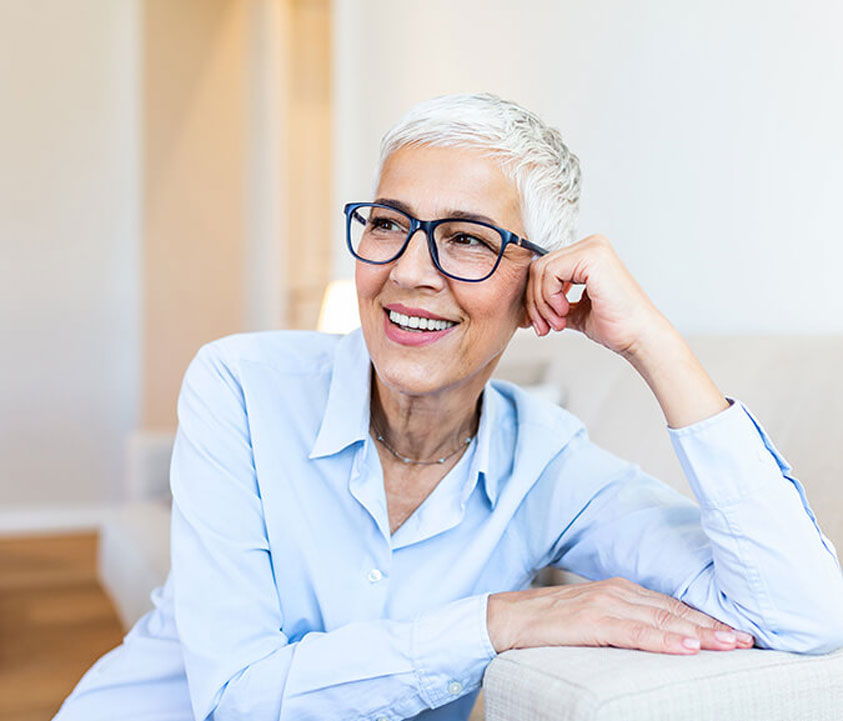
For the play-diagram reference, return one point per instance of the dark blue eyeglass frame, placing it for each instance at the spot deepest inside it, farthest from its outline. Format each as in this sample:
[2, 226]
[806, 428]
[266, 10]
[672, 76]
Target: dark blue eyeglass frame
[428, 226]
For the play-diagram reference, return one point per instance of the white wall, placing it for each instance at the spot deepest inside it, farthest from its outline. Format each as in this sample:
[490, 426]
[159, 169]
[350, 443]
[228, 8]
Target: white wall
[709, 133]
[69, 244]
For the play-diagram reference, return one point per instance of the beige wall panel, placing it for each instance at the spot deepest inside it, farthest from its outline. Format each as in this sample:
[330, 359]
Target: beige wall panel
[312, 206]
[194, 110]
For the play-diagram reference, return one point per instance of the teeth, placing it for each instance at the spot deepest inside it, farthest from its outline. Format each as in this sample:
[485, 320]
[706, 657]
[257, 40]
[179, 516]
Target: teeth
[418, 323]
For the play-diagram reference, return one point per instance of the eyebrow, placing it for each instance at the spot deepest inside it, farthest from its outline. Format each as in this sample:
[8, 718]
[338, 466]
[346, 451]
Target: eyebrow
[454, 213]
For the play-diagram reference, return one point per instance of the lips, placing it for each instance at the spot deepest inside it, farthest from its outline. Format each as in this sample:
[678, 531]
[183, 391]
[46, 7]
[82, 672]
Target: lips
[414, 326]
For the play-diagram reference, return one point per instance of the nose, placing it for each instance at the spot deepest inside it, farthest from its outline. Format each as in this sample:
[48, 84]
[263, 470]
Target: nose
[415, 266]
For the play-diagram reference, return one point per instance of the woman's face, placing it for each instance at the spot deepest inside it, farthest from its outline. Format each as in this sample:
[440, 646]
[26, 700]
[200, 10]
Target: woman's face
[430, 183]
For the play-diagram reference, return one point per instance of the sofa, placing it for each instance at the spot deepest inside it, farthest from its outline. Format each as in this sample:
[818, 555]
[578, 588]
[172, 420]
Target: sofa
[794, 385]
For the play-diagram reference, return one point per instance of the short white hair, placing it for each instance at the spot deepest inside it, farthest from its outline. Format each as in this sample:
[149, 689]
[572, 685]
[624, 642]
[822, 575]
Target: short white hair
[532, 154]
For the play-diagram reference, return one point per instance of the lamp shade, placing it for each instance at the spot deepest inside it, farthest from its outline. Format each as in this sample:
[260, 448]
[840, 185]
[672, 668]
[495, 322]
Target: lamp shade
[339, 308]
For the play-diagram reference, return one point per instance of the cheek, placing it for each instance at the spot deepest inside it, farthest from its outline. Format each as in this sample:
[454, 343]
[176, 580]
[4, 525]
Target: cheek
[496, 310]
[504, 299]
[368, 279]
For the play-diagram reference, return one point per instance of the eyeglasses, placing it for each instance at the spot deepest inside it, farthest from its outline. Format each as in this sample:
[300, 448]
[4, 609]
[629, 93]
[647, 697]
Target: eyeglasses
[462, 249]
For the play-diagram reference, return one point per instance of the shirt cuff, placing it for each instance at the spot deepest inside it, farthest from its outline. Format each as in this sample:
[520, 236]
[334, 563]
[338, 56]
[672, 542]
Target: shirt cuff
[728, 457]
[451, 649]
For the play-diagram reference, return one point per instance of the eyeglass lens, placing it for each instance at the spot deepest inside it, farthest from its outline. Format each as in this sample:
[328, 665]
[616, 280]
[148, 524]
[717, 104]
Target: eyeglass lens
[465, 249]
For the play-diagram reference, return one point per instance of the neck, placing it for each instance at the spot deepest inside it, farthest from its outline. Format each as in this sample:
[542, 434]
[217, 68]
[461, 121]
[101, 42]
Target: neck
[429, 426]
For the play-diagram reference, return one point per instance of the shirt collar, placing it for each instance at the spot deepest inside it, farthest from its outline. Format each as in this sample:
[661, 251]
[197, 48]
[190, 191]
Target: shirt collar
[346, 417]
[480, 463]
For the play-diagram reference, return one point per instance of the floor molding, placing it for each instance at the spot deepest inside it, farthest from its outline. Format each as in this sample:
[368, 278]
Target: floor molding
[26, 520]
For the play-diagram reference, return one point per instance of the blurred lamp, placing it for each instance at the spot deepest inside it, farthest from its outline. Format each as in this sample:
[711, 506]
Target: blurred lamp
[339, 308]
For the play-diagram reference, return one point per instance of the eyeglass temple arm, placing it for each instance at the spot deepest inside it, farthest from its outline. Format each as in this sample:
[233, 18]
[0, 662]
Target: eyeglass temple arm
[524, 243]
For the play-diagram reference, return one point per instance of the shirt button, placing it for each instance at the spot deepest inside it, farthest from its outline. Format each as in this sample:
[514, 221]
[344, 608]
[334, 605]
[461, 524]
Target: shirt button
[375, 575]
[382, 718]
[454, 688]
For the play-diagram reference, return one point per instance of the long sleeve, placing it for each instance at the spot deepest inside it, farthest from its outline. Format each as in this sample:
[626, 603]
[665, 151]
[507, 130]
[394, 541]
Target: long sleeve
[750, 554]
[239, 661]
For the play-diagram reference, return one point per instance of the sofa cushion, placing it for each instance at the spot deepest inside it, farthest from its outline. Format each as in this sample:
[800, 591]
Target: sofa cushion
[603, 684]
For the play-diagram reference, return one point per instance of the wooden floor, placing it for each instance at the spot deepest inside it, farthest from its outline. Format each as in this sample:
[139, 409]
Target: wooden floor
[55, 621]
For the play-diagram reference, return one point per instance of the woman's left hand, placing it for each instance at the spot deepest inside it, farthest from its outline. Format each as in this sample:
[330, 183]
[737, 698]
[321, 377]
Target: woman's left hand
[613, 310]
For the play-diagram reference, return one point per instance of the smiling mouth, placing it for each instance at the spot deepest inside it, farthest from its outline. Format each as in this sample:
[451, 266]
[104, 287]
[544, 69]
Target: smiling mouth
[418, 324]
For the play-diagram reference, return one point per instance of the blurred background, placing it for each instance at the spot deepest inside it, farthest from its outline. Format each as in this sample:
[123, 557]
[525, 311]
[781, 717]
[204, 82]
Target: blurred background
[172, 171]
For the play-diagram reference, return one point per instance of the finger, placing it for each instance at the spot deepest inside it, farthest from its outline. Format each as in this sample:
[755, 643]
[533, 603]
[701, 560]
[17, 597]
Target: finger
[528, 302]
[677, 607]
[663, 618]
[712, 632]
[637, 604]
[718, 640]
[539, 325]
[549, 315]
[553, 290]
[665, 614]
[745, 640]
[624, 633]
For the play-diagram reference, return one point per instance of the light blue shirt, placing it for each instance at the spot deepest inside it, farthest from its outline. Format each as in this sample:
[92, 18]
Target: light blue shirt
[289, 599]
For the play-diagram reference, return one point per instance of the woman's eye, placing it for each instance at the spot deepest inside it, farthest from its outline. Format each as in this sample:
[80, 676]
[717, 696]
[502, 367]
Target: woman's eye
[384, 224]
[466, 239]
[471, 241]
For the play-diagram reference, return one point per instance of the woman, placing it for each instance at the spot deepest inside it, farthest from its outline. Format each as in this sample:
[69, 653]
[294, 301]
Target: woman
[356, 520]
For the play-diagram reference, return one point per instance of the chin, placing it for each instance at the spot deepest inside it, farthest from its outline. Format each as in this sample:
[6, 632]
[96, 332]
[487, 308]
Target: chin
[412, 379]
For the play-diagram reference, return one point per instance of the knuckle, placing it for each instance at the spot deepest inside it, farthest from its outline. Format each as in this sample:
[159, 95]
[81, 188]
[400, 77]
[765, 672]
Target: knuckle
[624, 582]
[602, 247]
[620, 584]
[638, 633]
[666, 642]
[677, 608]
[603, 591]
[662, 618]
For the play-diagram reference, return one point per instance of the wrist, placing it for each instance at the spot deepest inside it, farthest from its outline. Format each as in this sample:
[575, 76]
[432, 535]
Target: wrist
[658, 343]
[500, 621]
[683, 388]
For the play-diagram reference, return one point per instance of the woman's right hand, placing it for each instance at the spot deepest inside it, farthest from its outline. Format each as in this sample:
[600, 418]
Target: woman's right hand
[614, 612]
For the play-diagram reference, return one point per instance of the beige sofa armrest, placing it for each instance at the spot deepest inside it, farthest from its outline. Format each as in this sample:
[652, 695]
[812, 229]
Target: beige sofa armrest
[603, 684]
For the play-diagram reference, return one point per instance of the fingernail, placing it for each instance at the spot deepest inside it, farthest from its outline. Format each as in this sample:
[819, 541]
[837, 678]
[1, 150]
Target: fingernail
[535, 327]
[691, 642]
[745, 637]
[725, 636]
